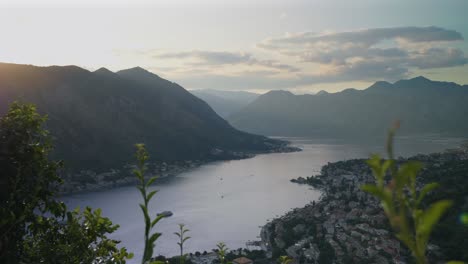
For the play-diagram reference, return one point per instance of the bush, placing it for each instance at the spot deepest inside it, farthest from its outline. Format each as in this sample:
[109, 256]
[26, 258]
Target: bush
[34, 227]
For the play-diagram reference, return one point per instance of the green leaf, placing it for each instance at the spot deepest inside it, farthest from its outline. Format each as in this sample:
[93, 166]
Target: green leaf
[430, 217]
[151, 181]
[151, 194]
[425, 190]
[137, 173]
[154, 237]
[373, 189]
[145, 213]
[384, 195]
[386, 165]
[407, 173]
[411, 168]
[156, 220]
[142, 191]
[375, 163]
[407, 240]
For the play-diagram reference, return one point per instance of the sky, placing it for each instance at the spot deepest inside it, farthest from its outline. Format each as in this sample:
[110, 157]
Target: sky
[303, 46]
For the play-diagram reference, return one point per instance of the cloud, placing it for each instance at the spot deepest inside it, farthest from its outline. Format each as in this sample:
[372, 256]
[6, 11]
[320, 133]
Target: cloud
[367, 37]
[208, 57]
[381, 53]
[216, 58]
[339, 55]
[438, 58]
[307, 59]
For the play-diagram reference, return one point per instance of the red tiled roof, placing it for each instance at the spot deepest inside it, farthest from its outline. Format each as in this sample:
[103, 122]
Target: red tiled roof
[242, 260]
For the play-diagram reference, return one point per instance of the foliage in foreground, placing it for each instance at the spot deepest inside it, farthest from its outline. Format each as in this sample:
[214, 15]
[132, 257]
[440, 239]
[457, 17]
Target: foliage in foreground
[221, 252]
[401, 201]
[81, 238]
[454, 224]
[182, 239]
[34, 227]
[143, 185]
[285, 260]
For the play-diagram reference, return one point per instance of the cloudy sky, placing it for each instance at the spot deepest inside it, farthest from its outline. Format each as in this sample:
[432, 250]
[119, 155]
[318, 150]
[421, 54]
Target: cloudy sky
[300, 45]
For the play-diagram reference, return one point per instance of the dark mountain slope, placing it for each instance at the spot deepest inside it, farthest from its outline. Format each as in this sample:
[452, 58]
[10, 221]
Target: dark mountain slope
[422, 105]
[97, 117]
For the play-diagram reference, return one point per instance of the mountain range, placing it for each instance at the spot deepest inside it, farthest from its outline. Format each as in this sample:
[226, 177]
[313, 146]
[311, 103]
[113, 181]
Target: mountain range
[421, 105]
[95, 118]
[225, 103]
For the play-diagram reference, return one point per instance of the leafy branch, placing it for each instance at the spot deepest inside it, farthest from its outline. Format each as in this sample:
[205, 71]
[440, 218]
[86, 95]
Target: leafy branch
[222, 250]
[401, 200]
[143, 185]
[34, 226]
[285, 260]
[182, 239]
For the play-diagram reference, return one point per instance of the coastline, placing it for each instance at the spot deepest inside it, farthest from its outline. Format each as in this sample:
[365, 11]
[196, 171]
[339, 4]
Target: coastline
[347, 225]
[90, 181]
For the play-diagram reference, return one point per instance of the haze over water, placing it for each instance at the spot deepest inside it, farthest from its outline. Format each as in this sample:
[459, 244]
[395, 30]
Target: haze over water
[228, 201]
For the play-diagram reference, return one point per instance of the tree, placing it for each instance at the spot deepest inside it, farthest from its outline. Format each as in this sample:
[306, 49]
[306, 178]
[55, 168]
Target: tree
[34, 227]
[81, 238]
[182, 239]
[143, 185]
[27, 177]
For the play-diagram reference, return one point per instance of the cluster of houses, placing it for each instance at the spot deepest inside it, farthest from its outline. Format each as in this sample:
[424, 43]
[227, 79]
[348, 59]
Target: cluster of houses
[88, 180]
[350, 221]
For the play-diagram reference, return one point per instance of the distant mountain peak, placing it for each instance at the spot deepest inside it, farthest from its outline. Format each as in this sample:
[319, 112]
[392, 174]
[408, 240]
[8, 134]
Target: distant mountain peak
[104, 71]
[349, 90]
[419, 82]
[420, 78]
[322, 92]
[137, 71]
[137, 68]
[279, 93]
[380, 85]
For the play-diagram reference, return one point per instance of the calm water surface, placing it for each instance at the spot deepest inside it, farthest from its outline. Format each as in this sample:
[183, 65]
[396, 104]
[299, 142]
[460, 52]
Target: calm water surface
[228, 201]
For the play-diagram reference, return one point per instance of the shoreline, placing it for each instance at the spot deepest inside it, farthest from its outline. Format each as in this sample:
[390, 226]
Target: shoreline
[89, 181]
[102, 184]
[346, 224]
